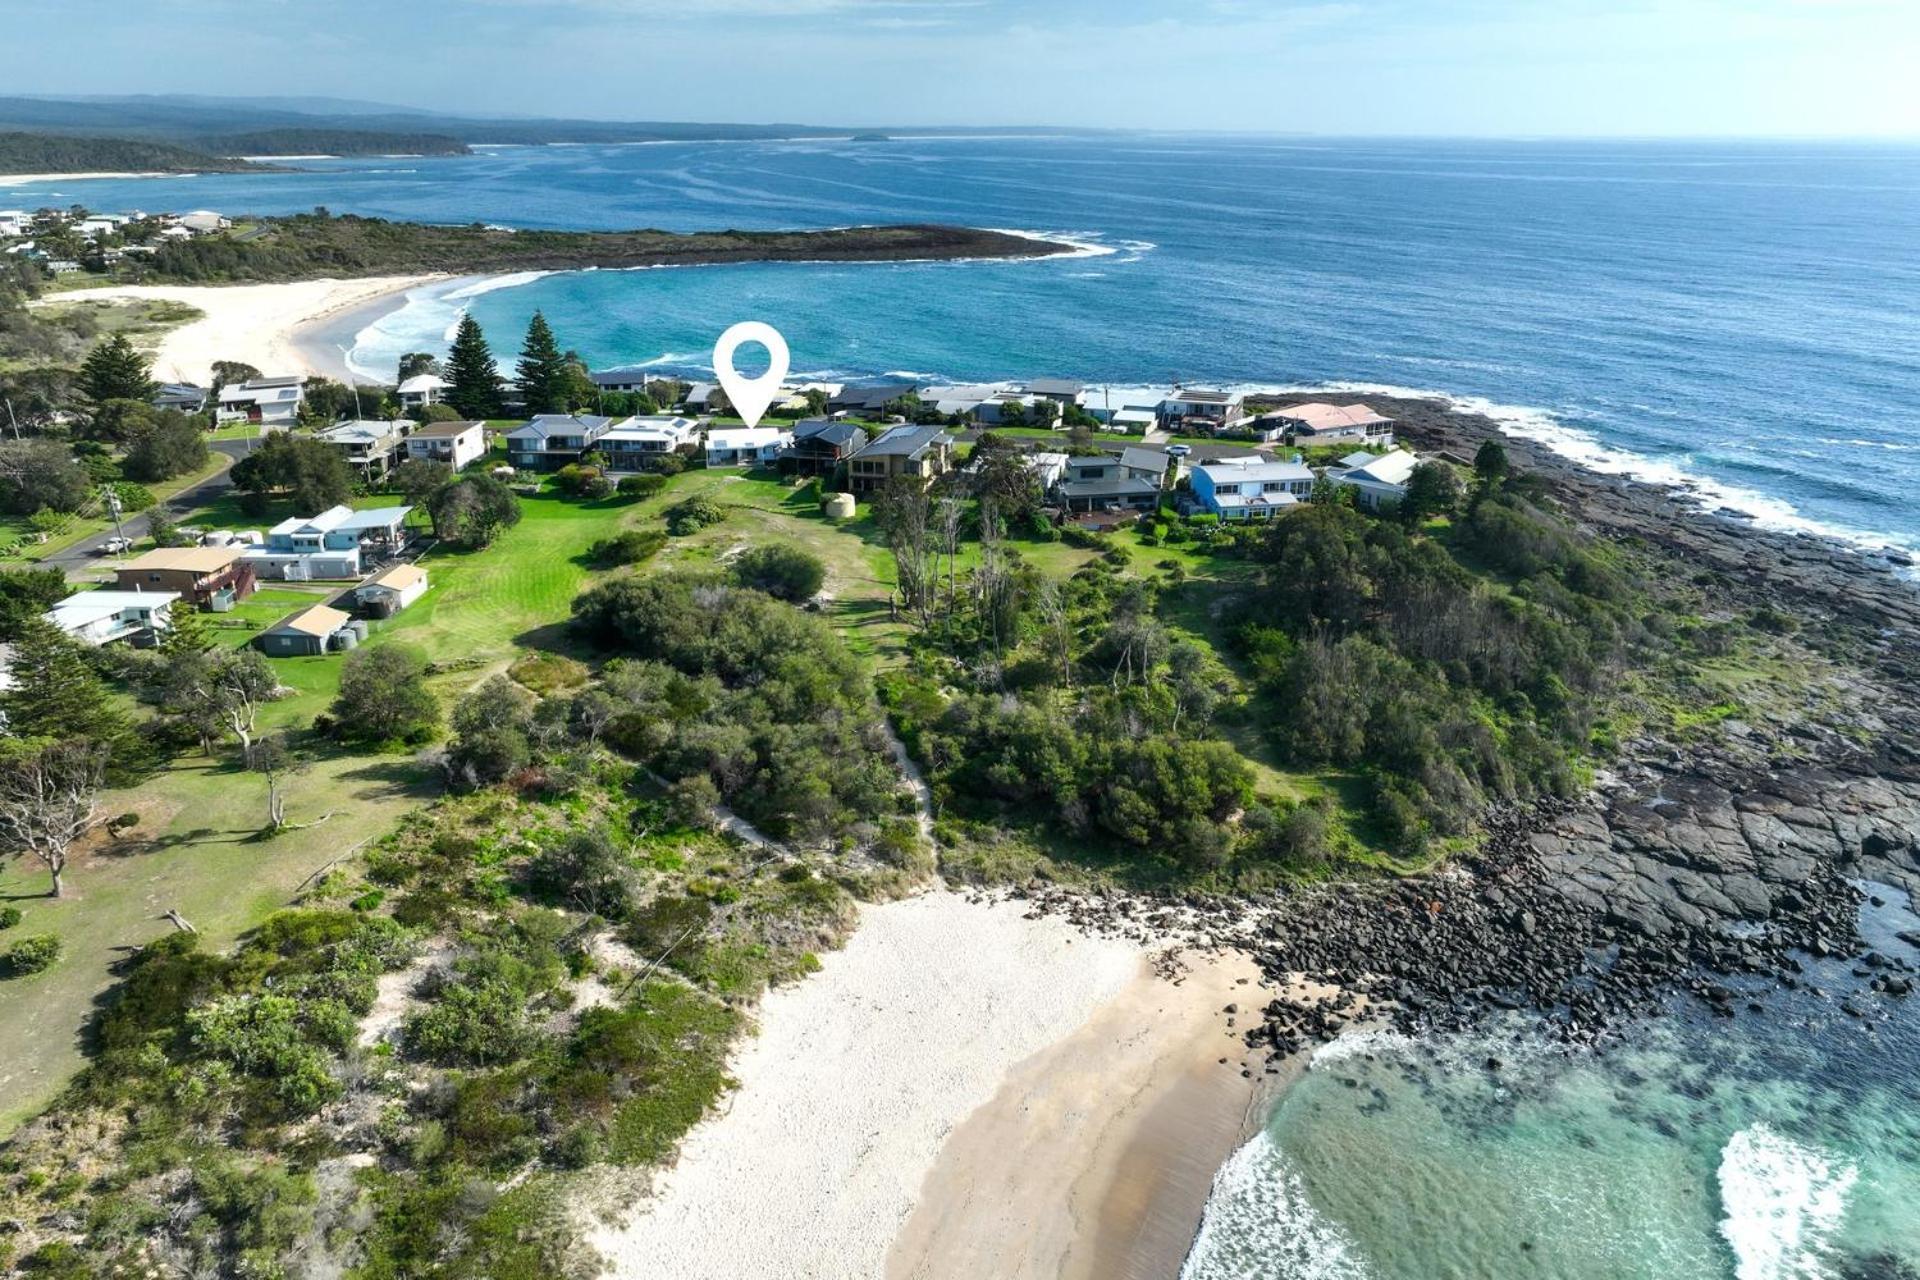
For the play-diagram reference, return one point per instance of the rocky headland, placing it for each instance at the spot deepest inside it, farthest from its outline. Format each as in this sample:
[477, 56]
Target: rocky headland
[1695, 860]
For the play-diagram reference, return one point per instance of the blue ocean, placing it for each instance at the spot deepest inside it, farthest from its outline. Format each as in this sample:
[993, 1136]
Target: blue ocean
[1740, 319]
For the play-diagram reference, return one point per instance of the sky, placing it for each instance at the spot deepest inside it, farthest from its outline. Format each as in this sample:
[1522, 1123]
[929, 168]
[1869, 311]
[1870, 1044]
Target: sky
[1503, 68]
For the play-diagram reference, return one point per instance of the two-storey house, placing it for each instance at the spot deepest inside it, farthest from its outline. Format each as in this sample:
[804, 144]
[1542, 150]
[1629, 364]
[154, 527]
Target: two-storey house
[452, 445]
[550, 441]
[208, 577]
[1242, 491]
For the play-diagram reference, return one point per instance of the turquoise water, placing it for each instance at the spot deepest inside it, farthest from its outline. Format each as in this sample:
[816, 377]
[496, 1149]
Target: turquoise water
[1761, 1148]
[1738, 316]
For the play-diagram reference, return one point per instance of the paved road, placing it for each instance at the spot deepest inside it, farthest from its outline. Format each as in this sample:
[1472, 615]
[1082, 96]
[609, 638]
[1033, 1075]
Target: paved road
[86, 555]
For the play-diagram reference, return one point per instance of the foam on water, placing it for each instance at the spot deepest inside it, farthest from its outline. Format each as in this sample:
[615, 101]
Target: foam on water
[1783, 1204]
[1260, 1224]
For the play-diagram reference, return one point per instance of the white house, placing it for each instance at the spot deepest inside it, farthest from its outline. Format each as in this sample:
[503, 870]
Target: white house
[1104, 402]
[370, 446]
[100, 224]
[329, 545]
[629, 446]
[421, 390]
[1134, 422]
[746, 446]
[1375, 478]
[271, 402]
[451, 444]
[14, 222]
[101, 617]
[201, 221]
[1250, 490]
[392, 589]
[1047, 468]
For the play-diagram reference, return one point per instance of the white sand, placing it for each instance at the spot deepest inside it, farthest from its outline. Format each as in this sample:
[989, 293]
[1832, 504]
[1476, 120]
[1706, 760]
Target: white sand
[35, 179]
[857, 1077]
[256, 324]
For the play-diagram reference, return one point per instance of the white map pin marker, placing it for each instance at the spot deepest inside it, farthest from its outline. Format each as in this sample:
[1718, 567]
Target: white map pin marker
[751, 396]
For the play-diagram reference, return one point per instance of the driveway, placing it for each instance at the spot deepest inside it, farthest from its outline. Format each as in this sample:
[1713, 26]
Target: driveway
[86, 555]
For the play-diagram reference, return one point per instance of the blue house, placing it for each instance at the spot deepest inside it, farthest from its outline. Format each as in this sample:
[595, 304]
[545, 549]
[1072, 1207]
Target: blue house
[1250, 490]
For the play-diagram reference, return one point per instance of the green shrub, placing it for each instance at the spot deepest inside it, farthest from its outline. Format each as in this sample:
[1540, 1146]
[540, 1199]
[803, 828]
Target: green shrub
[9, 917]
[784, 572]
[692, 515]
[472, 1023]
[642, 486]
[31, 955]
[630, 547]
[133, 497]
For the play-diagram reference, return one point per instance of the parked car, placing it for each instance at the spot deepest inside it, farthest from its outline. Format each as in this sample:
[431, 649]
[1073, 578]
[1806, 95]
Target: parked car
[116, 546]
[1179, 450]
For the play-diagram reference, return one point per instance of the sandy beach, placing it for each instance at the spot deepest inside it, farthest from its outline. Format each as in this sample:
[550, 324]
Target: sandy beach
[903, 1111]
[257, 324]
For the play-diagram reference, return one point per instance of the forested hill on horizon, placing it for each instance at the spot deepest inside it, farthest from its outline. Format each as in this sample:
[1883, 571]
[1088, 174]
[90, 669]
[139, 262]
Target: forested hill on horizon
[215, 124]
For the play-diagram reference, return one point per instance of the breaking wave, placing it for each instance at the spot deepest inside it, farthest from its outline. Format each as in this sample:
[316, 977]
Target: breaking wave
[1261, 1225]
[1782, 1204]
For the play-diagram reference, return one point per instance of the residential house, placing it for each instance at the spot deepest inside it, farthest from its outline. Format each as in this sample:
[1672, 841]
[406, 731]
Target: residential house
[201, 221]
[1331, 424]
[1005, 406]
[392, 589]
[1377, 479]
[635, 444]
[100, 224]
[700, 397]
[959, 401]
[15, 222]
[421, 390]
[270, 402]
[309, 633]
[869, 402]
[550, 441]
[1048, 468]
[820, 446]
[919, 452]
[629, 380]
[1134, 422]
[452, 445]
[1059, 390]
[209, 577]
[101, 617]
[369, 445]
[1131, 480]
[746, 446]
[183, 396]
[329, 545]
[1200, 409]
[1255, 489]
[1104, 402]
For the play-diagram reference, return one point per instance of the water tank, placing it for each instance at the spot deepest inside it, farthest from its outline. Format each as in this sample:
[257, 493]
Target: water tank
[838, 506]
[344, 639]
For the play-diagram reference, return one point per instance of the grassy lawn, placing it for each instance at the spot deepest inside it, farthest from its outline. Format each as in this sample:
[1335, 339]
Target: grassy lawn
[196, 851]
[196, 848]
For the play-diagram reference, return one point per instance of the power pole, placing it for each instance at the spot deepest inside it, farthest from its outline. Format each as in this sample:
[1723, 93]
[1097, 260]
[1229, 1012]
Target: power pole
[111, 497]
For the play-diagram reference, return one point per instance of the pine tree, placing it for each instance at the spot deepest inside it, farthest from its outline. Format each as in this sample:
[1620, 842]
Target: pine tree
[113, 370]
[55, 693]
[473, 379]
[544, 378]
[189, 633]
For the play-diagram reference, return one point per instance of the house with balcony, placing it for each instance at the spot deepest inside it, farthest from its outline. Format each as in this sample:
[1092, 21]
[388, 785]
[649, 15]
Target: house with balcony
[1317, 423]
[421, 390]
[212, 578]
[1203, 411]
[1250, 490]
[370, 446]
[550, 441]
[269, 402]
[452, 445]
[102, 617]
[918, 453]
[638, 443]
[820, 447]
[1132, 480]
[333, 544]
[182, 396]
[746, 446]
[625, 380]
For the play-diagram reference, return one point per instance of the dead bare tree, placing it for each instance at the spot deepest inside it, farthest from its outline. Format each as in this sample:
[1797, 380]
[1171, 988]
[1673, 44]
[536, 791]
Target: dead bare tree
[274, 758]
[48, 800]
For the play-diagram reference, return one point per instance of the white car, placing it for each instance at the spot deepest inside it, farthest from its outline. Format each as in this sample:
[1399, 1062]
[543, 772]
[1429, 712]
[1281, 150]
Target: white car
[116, 546]
[1179, 450]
